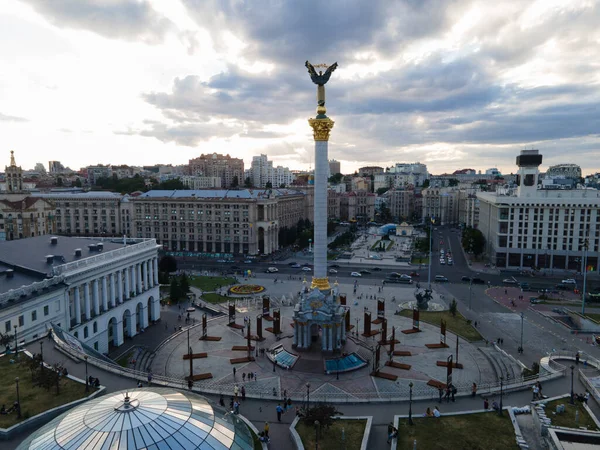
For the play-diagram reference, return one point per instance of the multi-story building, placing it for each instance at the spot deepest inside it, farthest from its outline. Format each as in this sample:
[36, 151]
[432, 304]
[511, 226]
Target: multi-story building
[401, 203]
[357, 206]
[367, 171]
[334, 167]
[333, 205]
[123, 171]
[441, 204]
[216, 165]
[55, 167]
[196, 182]
[262, 172]
[96, 172]
[21, 214]
[100, 290]
[93, 213]
[231, 222]
[541, 228]
[468, 208]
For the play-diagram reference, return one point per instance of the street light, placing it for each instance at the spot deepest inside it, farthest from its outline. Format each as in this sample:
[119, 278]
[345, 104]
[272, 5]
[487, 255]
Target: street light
[16, 343]
[307, 396]
[410, 386]
[87, 384]
[501, 393]
[18, 399]
[572, 401]
[317, 423]
[521, 347]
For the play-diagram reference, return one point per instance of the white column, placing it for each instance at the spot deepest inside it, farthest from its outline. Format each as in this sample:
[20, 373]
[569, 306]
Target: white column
[320, 209]
[127, 275]
[77, 302]
[120, 286]
[145, 282]
[86, 301]
[104, 293]
[133, 276]
[155, 270]
[95, 298]
[113, 291]
[139, 276]
[68, 311]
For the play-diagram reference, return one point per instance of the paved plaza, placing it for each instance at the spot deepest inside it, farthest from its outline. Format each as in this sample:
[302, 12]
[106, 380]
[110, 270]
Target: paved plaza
[352, 386]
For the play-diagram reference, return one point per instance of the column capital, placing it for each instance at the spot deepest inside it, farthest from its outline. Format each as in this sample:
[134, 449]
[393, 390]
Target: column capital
[321, 128]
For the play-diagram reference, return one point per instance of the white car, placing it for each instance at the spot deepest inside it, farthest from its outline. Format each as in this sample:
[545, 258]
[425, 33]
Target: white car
[406, 277]
[442, 261]
[306, 269]
[355, 274]
[569, 281]
[332, 271]
[272, 270]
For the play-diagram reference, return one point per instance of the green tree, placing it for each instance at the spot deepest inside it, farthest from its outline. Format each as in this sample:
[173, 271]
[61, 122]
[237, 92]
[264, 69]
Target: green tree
[473, 241]
[6, 339]
[167, 264]
[324, 413]
[336, 178]
[59, 181]
[269, 185]
[77, 182]
[425, 184]
[382, 190]
[452, 182]
[282, 186]
[453, 308]
[235, 182]
[184, 284]
[170, 185]
[175, 292]
[248, 182]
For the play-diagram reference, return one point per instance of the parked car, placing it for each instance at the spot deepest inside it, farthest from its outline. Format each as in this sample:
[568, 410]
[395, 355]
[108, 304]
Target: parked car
[534, 300]
[563, 287]
[467, 279]
[355, 274]
[221, 261]
[509, 281]
[332, 271]
[395, 275]
[365, 272]
[306, 269]
[272, 270]
[477, 280]
[441, 279]
[569, 281]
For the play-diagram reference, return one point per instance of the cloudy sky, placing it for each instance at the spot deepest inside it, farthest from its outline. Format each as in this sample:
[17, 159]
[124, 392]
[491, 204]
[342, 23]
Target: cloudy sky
[452, 84]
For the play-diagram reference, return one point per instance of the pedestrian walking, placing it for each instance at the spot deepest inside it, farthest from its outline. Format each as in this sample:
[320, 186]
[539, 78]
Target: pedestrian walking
[236, 390]
[243, 393]
[149, 378]
[453, 392]
[536, 392]
[236, 407]
[279, 410]
[441, 393]
[284, 402]
[244, 376]
[486, 404]
[222, 401]
[266, 429]
[474, 390]
[255, 376]
[234, 372]
[577, 358]
[448, 391]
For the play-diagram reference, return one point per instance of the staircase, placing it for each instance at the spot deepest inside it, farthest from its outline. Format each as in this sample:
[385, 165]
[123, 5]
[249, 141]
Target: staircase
[501, 365]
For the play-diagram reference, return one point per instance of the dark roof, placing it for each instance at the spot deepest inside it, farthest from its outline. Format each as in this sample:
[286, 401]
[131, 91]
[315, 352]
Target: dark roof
[26, 203]
[31, 253]
[19, 278]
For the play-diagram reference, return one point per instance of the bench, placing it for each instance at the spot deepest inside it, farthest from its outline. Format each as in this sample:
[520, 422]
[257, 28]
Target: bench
[386, 376]
[397, 365]
[200, 376]
[241, 348]
[195, 356]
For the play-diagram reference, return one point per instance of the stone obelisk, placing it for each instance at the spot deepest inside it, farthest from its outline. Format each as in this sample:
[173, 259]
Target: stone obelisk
[321, 126]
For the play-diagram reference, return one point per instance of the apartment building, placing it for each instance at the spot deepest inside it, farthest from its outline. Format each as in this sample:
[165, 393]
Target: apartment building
[401, 203]
[357, 205]
[217, 165]
[441, 204]
[541, 228]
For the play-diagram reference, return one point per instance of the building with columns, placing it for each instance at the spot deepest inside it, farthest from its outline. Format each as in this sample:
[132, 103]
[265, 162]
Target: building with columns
[100, 290]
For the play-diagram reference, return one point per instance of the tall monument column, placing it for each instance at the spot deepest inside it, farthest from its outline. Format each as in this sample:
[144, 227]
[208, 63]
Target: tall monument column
[321, 126]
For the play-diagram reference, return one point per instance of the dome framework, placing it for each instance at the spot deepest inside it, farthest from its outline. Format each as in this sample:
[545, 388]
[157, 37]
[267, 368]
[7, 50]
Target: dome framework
[150, 418]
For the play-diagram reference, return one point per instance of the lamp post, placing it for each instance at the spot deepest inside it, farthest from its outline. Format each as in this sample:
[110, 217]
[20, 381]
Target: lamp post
[87, 384]
[18, 399]
[430, 251]
[16, 343]
[357, 327]
[521, 347]
[410, 386]
[317, 423]
[501, 393]
[585, 251]
[572, 400]
[307, 396]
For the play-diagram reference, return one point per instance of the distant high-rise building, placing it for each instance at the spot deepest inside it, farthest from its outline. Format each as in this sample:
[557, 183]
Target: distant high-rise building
[217, 165]
[262, 172]
[367, 171]
[55, 167]
[334, 167]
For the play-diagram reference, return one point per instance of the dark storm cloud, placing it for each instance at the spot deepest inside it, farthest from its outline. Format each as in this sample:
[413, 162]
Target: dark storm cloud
[121, 19]
[8, 118]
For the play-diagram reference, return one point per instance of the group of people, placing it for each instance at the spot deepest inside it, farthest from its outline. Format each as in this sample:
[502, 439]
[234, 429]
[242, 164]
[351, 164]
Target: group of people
[93, 382]
[432, 413]
[13, 408]
[449, 394]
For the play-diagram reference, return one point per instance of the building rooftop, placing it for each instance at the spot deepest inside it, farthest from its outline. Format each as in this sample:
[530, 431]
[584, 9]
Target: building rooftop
[248, 194]
[88, 194]
[18, 278]
[32, 253]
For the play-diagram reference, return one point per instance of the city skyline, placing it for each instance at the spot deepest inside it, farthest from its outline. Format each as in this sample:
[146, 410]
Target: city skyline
[466, 85]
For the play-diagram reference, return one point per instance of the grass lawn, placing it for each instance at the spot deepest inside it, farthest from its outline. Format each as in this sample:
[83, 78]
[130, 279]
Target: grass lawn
[211, 283]
[34, 399]
[593, 316]
[567, 419]
[485, 431]
[457, 324]
[123, 361]
[215, 298]
[332, 437]
[423, 260]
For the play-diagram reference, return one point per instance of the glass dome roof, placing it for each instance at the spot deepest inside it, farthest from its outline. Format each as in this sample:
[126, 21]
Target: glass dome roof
[151, 418]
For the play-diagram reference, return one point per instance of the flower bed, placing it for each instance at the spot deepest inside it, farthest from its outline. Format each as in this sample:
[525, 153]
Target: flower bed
[246, 289]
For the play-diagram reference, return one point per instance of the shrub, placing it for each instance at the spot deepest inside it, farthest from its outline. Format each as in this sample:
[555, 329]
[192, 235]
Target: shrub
[453, 307]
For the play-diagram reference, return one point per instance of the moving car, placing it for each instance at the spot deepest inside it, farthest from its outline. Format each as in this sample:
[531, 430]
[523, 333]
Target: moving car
[248, 261]
[376, 269]
[569, 281]
[467, 279]
[365, 272]
[406, 277]
[337, 266]
[272, 270]
[450, 262]
[509, 281]
[355, 274]
[332, 271]
[477, 280]
[398, 280]
[415, 274]
[296, 266]
[441, 278]
[306, 269]
[442, 261]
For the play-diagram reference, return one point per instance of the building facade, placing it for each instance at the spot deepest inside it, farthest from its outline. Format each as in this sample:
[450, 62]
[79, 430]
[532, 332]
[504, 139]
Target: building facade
[401, 203]
[540, 228]
[262, 172]
[216, 165]
[100, 290]
[357, 206]
[334, 167]
[441, 204]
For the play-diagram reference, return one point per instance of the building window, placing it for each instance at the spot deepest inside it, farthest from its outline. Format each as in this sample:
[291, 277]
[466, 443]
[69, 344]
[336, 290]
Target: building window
[21, 321]
[95, 327]
[33, 316]
[85, 332]
[46, 310]
[7, 326]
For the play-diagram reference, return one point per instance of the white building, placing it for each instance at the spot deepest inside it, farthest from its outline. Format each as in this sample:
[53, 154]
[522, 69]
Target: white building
[262, 172]
[542, 228]
[100, 290]
[198, 182]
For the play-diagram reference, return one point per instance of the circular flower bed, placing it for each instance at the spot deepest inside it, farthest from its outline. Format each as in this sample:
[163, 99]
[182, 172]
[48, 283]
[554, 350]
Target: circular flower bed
[245, 289]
